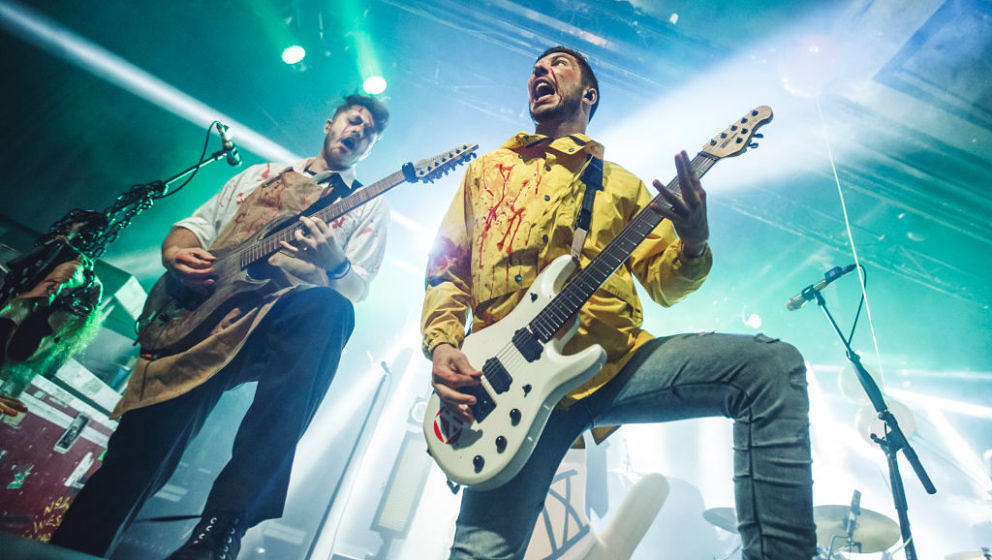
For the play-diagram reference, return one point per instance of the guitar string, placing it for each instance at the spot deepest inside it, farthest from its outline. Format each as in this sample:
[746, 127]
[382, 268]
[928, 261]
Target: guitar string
[697, 165]
[700, 164]
[509, 357]
[270, 244]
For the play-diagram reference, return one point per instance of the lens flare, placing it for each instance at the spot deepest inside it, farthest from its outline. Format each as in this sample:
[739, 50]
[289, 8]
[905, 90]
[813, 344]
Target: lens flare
[374, 85]
[293, 54]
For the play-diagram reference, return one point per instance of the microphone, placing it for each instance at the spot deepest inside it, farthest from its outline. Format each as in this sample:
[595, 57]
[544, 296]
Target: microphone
[851, 523]
[227, 144]
[809, 292]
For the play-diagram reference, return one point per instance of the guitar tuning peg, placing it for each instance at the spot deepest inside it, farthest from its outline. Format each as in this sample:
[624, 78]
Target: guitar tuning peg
[752, 145]
[759, 135]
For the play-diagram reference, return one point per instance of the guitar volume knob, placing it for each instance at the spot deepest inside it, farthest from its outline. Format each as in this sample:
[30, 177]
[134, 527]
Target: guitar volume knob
[500, 444]
[515, 416]
[478, 462]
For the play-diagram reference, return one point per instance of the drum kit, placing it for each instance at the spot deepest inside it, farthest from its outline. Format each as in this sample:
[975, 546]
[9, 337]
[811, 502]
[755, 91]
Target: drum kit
[841, 532]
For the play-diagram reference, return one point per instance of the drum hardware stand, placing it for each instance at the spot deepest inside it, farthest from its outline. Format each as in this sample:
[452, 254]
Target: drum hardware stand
[850, 525]
[891, 443]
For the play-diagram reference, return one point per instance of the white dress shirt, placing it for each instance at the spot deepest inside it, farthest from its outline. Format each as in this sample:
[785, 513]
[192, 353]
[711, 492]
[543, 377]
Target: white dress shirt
[360, 233]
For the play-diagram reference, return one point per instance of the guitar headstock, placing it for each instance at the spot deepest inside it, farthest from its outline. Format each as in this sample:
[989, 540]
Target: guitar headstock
[432, 168]
[736, 139]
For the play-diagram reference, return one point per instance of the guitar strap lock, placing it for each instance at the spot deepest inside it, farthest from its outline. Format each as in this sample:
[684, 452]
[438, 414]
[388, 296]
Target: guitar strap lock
[592, 178]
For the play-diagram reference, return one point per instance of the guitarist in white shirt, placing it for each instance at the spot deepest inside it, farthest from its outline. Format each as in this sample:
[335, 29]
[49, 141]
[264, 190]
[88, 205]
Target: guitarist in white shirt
[512, 216]
[291, 346]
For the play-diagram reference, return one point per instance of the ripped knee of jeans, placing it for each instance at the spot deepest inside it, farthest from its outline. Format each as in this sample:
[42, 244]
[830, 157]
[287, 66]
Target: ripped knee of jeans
[795, 363]
[797, 376]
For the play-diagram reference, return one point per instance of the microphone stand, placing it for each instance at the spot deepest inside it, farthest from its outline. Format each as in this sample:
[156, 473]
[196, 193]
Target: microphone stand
[891, 443]
[87, 232]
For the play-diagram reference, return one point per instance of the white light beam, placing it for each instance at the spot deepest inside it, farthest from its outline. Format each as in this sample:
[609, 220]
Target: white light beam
[59, 41]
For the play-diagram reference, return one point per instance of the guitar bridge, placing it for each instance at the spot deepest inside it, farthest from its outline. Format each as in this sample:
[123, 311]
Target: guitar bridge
[483, 402]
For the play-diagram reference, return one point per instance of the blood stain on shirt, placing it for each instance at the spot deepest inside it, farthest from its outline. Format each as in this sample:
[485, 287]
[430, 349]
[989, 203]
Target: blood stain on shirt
[493, 212]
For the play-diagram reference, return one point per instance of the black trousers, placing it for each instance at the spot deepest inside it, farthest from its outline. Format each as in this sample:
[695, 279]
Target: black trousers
[293, 355]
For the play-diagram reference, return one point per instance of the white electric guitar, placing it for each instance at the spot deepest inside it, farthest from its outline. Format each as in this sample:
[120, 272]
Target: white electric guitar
[525, 373]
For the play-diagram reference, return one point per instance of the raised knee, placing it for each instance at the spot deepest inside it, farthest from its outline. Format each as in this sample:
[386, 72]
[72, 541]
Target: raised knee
[778, 370]
[772, 354]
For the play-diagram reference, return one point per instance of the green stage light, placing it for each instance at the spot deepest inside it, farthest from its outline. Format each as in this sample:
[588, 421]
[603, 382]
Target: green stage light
[374, 85]
[293, 54]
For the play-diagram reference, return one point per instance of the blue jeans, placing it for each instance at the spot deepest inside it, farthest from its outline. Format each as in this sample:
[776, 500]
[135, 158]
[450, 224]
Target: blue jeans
[758, 381]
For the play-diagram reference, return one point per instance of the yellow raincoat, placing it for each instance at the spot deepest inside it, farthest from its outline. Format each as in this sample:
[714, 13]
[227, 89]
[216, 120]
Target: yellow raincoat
[514, 214]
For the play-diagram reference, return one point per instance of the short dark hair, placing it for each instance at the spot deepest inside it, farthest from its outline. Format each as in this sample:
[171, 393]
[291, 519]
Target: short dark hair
[375, 107]
[588, 77]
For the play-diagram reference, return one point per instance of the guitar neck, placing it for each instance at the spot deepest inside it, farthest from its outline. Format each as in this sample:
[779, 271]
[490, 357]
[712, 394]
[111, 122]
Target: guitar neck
[270, 244]
[558, 312]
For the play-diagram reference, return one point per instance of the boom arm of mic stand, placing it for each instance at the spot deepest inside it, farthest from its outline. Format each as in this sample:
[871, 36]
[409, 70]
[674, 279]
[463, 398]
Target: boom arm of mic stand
[195, 167]
[35, 265]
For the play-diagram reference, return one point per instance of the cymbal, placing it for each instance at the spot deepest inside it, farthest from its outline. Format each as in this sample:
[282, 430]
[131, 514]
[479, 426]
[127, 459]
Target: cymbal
[874, 531]
[970, 555]
[723, 517]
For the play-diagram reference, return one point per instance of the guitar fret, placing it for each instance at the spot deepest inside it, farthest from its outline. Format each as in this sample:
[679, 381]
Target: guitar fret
[611, 258]
[559, 314]
[269, 245]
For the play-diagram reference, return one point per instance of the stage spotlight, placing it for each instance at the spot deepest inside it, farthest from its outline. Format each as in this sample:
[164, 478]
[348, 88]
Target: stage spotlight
[293, 54]
[374, 85]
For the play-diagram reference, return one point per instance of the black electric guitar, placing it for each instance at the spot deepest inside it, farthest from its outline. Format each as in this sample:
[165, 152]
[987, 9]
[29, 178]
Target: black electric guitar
[175, 318]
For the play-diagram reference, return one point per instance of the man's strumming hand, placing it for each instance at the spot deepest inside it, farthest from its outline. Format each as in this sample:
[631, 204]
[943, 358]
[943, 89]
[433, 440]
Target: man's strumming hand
[451, 371]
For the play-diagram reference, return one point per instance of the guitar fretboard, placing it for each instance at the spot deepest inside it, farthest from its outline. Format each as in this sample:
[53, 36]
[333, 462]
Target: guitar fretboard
[269, 245]
[558, 312]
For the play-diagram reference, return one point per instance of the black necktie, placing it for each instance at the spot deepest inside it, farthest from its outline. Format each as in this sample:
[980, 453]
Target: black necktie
[338, 188]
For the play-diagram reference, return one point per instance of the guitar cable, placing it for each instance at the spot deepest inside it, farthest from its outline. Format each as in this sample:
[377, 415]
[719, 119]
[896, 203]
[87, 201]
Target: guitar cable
[203, 152]
[862, 277]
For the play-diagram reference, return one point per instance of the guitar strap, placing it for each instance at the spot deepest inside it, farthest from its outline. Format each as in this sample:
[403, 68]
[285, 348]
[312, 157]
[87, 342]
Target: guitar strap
[335, 191]
[592, 178]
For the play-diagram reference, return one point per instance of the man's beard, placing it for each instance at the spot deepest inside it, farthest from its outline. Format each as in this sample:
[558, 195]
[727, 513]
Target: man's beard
[568, 106]
[336, 161]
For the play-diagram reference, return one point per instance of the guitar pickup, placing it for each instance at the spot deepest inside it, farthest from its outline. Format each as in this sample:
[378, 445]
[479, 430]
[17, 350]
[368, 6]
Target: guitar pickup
[527, 344]
[483, 402]
[497, 375]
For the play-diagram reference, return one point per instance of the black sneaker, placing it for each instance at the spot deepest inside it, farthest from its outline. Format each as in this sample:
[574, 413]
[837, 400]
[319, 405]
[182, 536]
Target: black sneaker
[216, 537]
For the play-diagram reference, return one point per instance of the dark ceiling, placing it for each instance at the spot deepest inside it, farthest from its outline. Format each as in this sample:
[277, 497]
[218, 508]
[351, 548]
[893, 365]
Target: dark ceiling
[906, 92]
